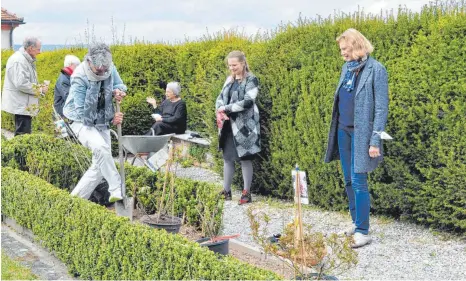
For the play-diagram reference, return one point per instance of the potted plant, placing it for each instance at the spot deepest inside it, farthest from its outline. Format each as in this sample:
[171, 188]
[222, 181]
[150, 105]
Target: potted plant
[164, 217]
[313, 251]
[210, 213]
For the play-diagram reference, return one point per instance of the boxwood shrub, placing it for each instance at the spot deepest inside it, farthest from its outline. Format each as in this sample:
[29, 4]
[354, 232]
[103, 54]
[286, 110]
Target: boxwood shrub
[95, 244]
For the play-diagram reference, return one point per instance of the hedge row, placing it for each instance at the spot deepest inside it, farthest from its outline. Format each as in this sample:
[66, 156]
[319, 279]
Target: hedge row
[298, 67]
[54, 160]
[97, 245]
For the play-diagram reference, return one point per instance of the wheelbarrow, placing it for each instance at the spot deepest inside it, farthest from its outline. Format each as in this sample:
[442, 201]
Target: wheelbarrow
[143, 145]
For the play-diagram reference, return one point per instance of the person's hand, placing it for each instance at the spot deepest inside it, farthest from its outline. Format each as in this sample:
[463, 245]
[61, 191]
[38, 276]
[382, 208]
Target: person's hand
[152, 101]
[374, 151]
[45, 86]
[221, 109]
[44, 89]
[119, 94]
[221, 116]
[118, 118]
[158, 118]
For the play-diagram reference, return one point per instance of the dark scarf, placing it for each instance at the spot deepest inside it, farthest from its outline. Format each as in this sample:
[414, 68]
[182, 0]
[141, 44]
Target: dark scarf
[353, 68]
[98, 106]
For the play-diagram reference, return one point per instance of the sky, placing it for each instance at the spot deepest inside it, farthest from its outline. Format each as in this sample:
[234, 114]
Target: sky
[66, 22]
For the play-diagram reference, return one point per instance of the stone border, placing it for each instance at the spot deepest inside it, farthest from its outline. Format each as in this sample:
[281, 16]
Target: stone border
[19, 243]
[255, 252]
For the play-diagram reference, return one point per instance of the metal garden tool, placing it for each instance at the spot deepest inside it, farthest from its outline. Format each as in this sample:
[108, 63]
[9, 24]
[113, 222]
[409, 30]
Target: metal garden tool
[125, 207]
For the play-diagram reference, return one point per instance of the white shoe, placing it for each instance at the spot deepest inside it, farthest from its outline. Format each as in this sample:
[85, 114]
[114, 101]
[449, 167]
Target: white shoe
[115, 197]
[360, 240]
[349, 231]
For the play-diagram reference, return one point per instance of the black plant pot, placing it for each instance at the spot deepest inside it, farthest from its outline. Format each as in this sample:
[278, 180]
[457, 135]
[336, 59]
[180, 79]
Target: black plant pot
[220, 247]
[169, 223]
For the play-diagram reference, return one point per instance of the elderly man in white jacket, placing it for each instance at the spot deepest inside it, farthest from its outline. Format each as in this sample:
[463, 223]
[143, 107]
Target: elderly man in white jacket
[19, 96]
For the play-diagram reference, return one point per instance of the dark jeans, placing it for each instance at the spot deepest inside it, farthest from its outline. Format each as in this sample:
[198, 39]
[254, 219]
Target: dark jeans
[23, 124]
[355, 183]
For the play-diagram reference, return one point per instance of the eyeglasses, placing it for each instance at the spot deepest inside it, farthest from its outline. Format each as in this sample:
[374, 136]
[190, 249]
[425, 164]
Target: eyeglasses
[98, 70]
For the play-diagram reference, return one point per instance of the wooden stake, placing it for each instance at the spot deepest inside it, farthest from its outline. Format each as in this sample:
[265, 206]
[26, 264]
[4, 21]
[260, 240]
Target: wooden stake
[168, 167]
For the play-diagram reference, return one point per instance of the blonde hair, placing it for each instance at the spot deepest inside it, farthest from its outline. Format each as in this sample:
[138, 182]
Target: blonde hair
[241, 58]
[361, 46]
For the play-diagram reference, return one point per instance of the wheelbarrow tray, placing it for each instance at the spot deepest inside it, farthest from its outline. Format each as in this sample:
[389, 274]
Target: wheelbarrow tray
[144, 144]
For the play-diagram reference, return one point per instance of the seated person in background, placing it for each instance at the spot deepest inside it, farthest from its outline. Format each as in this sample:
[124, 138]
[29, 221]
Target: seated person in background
[171, 117]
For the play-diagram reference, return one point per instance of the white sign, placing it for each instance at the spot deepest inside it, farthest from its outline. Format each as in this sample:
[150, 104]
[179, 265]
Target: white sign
[302, 187]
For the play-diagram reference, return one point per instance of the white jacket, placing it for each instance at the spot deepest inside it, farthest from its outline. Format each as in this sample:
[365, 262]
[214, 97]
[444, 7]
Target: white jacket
[19, 96]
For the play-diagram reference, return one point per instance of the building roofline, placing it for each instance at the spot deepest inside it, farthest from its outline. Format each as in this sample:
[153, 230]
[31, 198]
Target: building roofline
[12, 21]
[9, 17]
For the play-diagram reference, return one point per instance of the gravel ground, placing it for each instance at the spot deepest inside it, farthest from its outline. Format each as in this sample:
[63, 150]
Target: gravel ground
[196, 173]
[7, 134]
[400, 251]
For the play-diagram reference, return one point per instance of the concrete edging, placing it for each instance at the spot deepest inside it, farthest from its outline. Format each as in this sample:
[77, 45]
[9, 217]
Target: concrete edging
[21, 244]
[18, 228]
[258, 253]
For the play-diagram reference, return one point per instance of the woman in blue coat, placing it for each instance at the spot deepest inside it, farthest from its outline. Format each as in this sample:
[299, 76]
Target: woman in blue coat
[360, 110]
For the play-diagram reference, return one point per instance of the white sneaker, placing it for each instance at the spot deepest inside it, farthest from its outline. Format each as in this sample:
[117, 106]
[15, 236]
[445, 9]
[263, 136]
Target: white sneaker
[349, 231]
[115, 197]
[360, 240]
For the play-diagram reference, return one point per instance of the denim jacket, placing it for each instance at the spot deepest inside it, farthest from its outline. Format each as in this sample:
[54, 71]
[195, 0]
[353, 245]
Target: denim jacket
[74, 105]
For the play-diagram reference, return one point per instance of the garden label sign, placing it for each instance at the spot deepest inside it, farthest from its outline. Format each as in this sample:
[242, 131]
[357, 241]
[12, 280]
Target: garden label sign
[302, 186]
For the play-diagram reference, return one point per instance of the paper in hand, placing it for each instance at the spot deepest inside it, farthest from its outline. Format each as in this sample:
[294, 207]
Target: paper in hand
[384, 135]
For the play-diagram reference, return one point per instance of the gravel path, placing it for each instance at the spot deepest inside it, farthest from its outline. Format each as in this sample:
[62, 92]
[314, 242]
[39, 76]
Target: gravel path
[7, 134]
[400, 251]
[196, 173]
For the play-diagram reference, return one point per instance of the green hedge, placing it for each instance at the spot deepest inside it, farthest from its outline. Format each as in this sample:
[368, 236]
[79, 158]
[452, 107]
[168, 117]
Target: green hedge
[97, 245]
[298, 66]
[47, 157]
[54, 160]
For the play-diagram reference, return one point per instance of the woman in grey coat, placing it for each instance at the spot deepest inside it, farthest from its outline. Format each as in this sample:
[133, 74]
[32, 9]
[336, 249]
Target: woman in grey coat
[360, 110]
[238, 123]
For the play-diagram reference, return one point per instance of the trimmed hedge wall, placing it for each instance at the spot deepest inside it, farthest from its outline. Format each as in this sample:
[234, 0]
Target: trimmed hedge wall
[53, 160]
[424, 174]
[97, 245]
[46, 157]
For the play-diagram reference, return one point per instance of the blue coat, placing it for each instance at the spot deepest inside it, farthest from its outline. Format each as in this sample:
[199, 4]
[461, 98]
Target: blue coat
[62, 88]
[370, 116]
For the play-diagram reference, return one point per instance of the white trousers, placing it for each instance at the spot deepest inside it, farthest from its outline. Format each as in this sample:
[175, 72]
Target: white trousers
[103, 165]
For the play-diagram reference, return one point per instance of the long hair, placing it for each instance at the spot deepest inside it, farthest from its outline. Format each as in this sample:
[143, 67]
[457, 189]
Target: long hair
[361, 46]
[241, 58]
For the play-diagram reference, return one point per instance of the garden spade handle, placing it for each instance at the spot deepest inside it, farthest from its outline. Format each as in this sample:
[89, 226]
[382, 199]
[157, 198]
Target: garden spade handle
[120, 153]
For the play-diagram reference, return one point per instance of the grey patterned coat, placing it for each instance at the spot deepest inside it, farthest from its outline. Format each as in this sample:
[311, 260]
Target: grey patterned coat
[243, 113]
[370, 116]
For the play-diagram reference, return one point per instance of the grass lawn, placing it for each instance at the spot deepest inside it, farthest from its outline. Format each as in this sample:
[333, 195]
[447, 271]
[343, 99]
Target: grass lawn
[13, 270]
